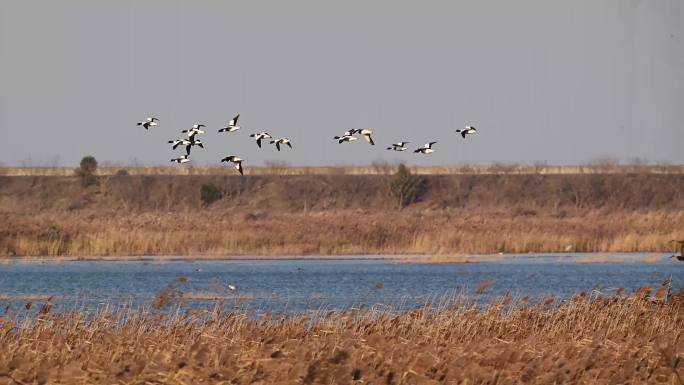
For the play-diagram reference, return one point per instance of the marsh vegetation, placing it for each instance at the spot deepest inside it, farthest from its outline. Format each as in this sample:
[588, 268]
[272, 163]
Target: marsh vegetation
[128, 214]
[585, 339]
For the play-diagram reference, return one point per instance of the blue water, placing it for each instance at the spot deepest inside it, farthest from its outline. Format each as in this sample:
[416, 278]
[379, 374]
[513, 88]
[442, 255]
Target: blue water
[295, 286]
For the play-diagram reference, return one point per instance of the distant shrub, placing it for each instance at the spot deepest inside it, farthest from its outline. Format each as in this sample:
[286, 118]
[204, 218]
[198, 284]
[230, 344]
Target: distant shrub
[88, 164]
[87, 170]
[405, 187]
[210, 193]
[122, 172]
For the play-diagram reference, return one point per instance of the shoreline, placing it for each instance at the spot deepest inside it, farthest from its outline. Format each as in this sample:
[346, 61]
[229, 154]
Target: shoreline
[402, 258]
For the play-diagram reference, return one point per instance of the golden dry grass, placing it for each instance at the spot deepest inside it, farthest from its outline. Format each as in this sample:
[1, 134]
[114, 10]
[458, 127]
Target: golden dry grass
[451, 235]
[339, 214]
[585, 339]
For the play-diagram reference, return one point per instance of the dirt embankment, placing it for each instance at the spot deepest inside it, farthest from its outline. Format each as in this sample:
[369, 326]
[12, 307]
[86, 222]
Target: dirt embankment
[338, 214]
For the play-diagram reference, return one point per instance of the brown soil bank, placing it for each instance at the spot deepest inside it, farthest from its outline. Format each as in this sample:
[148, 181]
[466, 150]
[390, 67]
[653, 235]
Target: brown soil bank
[615, 340]
[338, 214]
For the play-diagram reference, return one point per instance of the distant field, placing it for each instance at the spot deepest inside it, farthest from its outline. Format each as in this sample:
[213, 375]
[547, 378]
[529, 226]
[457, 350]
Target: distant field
[376, 169]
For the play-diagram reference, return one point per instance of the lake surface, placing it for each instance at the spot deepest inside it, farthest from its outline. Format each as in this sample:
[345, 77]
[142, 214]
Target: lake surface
[296, 286]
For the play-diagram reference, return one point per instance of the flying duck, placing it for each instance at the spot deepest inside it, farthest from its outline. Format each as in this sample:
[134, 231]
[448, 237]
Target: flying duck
[366, 133]
[180, 142]
[236, 161]
[399, 146]
[347, 136]
[196, 129]
[259, 136]
[182, 159]
[188, 143]
[193, 142]
[468, 130]
[232, 125]
[149, 122]
[281, 141]
[344, 138]
[426, 149]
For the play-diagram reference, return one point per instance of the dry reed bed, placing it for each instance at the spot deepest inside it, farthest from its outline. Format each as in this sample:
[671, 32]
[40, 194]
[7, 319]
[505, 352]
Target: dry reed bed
[333, 233]
[586, 339]
[339, 214]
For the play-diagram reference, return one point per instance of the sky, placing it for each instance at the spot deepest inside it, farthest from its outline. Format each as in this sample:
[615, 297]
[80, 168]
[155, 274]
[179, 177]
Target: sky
[559, 82]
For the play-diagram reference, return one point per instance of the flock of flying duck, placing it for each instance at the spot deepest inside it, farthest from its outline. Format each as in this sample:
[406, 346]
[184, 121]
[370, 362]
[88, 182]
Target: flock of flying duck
[191, 140]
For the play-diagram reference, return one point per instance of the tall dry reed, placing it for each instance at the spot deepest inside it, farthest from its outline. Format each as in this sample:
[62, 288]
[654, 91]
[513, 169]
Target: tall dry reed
[585, 339]
[334, 233]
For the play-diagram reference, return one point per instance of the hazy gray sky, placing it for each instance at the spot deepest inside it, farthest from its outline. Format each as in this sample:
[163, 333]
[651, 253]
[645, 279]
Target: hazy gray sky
[556, 81]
